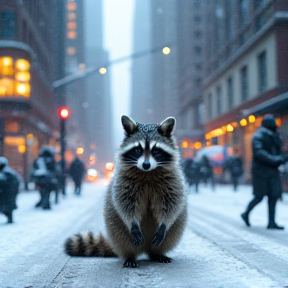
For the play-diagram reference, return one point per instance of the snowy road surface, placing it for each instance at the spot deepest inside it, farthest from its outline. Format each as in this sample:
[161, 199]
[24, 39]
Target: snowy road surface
[217, 250]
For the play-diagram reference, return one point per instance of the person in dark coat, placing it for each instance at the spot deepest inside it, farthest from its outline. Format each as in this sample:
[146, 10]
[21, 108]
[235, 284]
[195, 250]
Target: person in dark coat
[9, 188]
[267, 157]
[192, 172]
[234, 165]
[44, 176]
[206, 171]
[77, 171]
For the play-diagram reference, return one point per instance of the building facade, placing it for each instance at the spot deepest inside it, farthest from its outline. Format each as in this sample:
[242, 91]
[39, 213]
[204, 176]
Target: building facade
[29, 63]
[246, 68]
[98, 106]
[170, 85]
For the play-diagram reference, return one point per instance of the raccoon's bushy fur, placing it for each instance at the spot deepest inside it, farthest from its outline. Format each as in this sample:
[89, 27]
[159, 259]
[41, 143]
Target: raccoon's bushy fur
[145, 208]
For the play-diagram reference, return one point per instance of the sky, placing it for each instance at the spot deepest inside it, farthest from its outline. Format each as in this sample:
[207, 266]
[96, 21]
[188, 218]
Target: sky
[118, 25]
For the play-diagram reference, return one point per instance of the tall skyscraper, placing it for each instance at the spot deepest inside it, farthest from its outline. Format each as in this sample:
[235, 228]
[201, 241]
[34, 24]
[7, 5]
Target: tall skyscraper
[98, 108]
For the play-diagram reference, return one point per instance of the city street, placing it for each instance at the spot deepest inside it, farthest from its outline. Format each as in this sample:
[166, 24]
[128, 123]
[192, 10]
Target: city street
[217, 249]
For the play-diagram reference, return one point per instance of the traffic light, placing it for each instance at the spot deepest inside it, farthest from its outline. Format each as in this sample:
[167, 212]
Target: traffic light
[64, 113]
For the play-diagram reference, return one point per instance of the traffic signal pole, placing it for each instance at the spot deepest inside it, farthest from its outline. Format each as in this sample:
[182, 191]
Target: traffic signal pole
[64, 114]
[62, 153]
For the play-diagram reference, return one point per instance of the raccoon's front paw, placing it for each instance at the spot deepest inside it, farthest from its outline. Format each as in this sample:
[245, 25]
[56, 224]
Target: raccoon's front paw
[159, 235]
[136, 234]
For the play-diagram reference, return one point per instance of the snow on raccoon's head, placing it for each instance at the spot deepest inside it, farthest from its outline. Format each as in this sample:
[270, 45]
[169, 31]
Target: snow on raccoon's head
[148, 146]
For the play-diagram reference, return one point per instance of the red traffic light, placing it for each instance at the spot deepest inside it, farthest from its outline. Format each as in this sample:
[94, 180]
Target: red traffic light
[64, 112]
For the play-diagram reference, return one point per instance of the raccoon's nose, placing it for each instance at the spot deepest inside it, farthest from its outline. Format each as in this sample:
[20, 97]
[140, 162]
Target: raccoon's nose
[146, 165]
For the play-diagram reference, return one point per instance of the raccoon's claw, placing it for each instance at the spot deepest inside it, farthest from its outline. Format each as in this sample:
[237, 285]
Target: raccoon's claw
[159, 235]
[130, 264]
[160, 258]
[136, 235]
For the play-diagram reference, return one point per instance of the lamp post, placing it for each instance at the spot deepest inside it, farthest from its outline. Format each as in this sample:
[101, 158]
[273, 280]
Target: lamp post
[64, 114]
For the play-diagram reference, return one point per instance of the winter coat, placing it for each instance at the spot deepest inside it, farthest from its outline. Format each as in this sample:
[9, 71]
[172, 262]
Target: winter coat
[9, 190]
[234, 165]
[44, 171]
[77, 170]
[192, 171]
[266, 150]
[206, 169]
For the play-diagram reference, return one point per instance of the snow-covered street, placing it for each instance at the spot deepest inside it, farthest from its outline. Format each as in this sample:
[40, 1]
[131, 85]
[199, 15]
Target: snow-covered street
[217, 249]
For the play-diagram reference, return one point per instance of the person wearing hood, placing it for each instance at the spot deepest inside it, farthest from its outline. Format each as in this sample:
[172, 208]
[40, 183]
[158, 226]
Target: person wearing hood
[44, 176]
[267, 157]
[9, 188]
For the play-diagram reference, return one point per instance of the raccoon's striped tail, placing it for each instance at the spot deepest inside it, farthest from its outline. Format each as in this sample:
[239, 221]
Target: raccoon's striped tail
[88, 245]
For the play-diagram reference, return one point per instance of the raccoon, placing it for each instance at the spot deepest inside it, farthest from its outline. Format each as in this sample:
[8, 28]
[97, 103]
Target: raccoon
[145, 207]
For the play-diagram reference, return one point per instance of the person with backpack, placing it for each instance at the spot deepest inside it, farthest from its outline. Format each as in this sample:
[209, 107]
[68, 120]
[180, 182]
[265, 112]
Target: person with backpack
[44, 176]
[9, 188]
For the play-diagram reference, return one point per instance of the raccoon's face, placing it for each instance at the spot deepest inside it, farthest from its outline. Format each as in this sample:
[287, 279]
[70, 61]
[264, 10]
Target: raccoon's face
[148, 146]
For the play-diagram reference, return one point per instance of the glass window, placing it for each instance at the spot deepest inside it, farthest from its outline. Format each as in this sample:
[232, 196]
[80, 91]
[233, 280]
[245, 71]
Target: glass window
[244, 7]
[210, 106]
[219, 99]
[244, 83]
[262, 71]
[8, 24]
[230, 92]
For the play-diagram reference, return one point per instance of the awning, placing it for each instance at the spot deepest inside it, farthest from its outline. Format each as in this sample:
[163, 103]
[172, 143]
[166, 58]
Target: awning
[277, 105]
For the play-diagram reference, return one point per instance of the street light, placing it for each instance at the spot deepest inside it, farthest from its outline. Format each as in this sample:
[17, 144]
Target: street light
[64, 114]
[166, 50]
[83, 73]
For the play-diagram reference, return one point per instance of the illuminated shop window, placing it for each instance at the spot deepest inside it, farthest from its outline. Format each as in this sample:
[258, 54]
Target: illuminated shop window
[71, 16]
[14, 77]
[71, 34]
[71, 6]
[71, 25]
[71, 50]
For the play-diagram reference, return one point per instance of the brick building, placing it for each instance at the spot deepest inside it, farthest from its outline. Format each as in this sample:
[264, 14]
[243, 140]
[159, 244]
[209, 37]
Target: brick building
[246, 68]
[29, 63]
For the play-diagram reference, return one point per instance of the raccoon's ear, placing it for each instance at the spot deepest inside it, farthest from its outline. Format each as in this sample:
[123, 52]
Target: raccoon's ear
[166, 127]
[129, 125]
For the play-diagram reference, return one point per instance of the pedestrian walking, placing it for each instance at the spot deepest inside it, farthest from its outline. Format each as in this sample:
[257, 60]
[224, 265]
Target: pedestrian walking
[206, 171]
[192, 173]
[266, 158]
[77, 171]
[44, 176]
[234, 165]
[9, 188]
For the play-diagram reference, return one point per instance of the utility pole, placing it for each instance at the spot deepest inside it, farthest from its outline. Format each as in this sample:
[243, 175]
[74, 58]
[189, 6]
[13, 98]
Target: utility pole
[64, 114]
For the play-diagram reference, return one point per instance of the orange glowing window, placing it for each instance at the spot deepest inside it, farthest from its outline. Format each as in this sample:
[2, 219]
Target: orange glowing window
[71, 50]
[6, 66]
[71, 6]
[6, 87]
[71, 16]
[22, 89]
[71, 25]
[22, 76]
[71, 34]
[22, 65]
